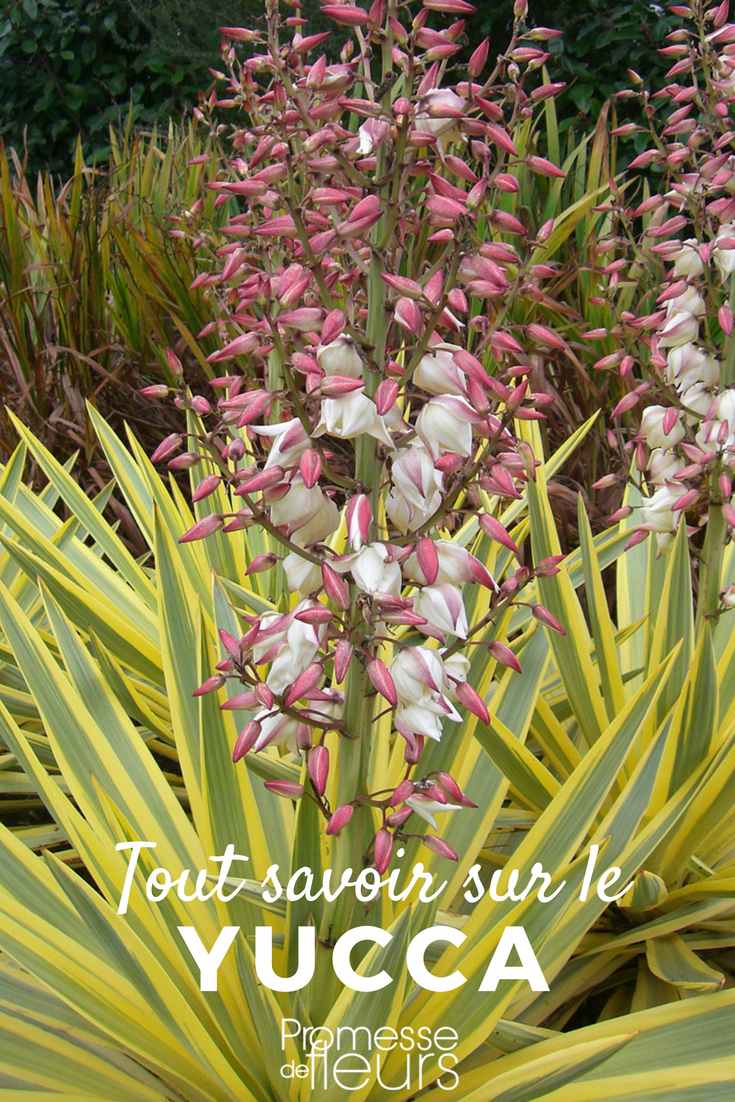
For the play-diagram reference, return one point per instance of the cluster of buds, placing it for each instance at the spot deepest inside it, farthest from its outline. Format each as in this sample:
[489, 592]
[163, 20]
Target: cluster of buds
[668, 284]
[374, 381]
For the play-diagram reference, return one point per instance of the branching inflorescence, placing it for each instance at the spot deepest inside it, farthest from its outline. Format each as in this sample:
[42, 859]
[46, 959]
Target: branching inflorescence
[376, 384]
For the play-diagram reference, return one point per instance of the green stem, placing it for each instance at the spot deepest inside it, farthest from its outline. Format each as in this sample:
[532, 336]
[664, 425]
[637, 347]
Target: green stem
[710, 575]
[354, 749]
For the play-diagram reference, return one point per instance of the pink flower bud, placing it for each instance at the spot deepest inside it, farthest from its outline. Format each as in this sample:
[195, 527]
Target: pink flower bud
[385, 396]
[262, 480]
[304, 319]
[471, 366]
[342, 658]
[206, 487]
[725, 484]
[366, 208]
[240, 702]
[454, 7]
[345, 15]
[203, 528]
[211, 685]
[336, 588]
[620, 514]
[500, 137]
[310, 466]
[639, 535]
[628, 401]
[241, 345]
[408, 287]
[405, 789]
[173, 362]
[359, 517]
[262, 563]
[381, 680]
[543, 167]
[167, 447]
[546, 91]
[439, 846]
[495, 530]
[333, 327]
[246, 739]
[413, 750]
[542, 335]
[290, 790]
[478, 60]
[230, 643]
[316, 615]
[263, 695]
[685, 501]
[318, 767]
[158, 390]
[504, 655]
[506, 223]
[184, 462]
[545, 617]
[408, 315]
[472, 701]
[398, 818]
[547, 568]
[504, 342]
[304, 739]
[428, 559]
[340, 818]
[450, 786]
[304, 683]
[720, 14]
[725, 318]
[383, 850]
[450, 463]
[337, 386]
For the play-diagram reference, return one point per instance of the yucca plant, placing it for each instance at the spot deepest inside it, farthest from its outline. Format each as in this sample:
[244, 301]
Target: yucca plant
[613, 735]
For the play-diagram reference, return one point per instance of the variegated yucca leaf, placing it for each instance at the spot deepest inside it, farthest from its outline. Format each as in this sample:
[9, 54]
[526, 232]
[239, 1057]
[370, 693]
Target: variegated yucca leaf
[620, 734]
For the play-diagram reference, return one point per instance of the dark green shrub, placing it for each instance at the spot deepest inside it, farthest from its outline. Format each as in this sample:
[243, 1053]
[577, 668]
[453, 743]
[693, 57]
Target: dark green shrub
[601, 40]
[70, 68]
